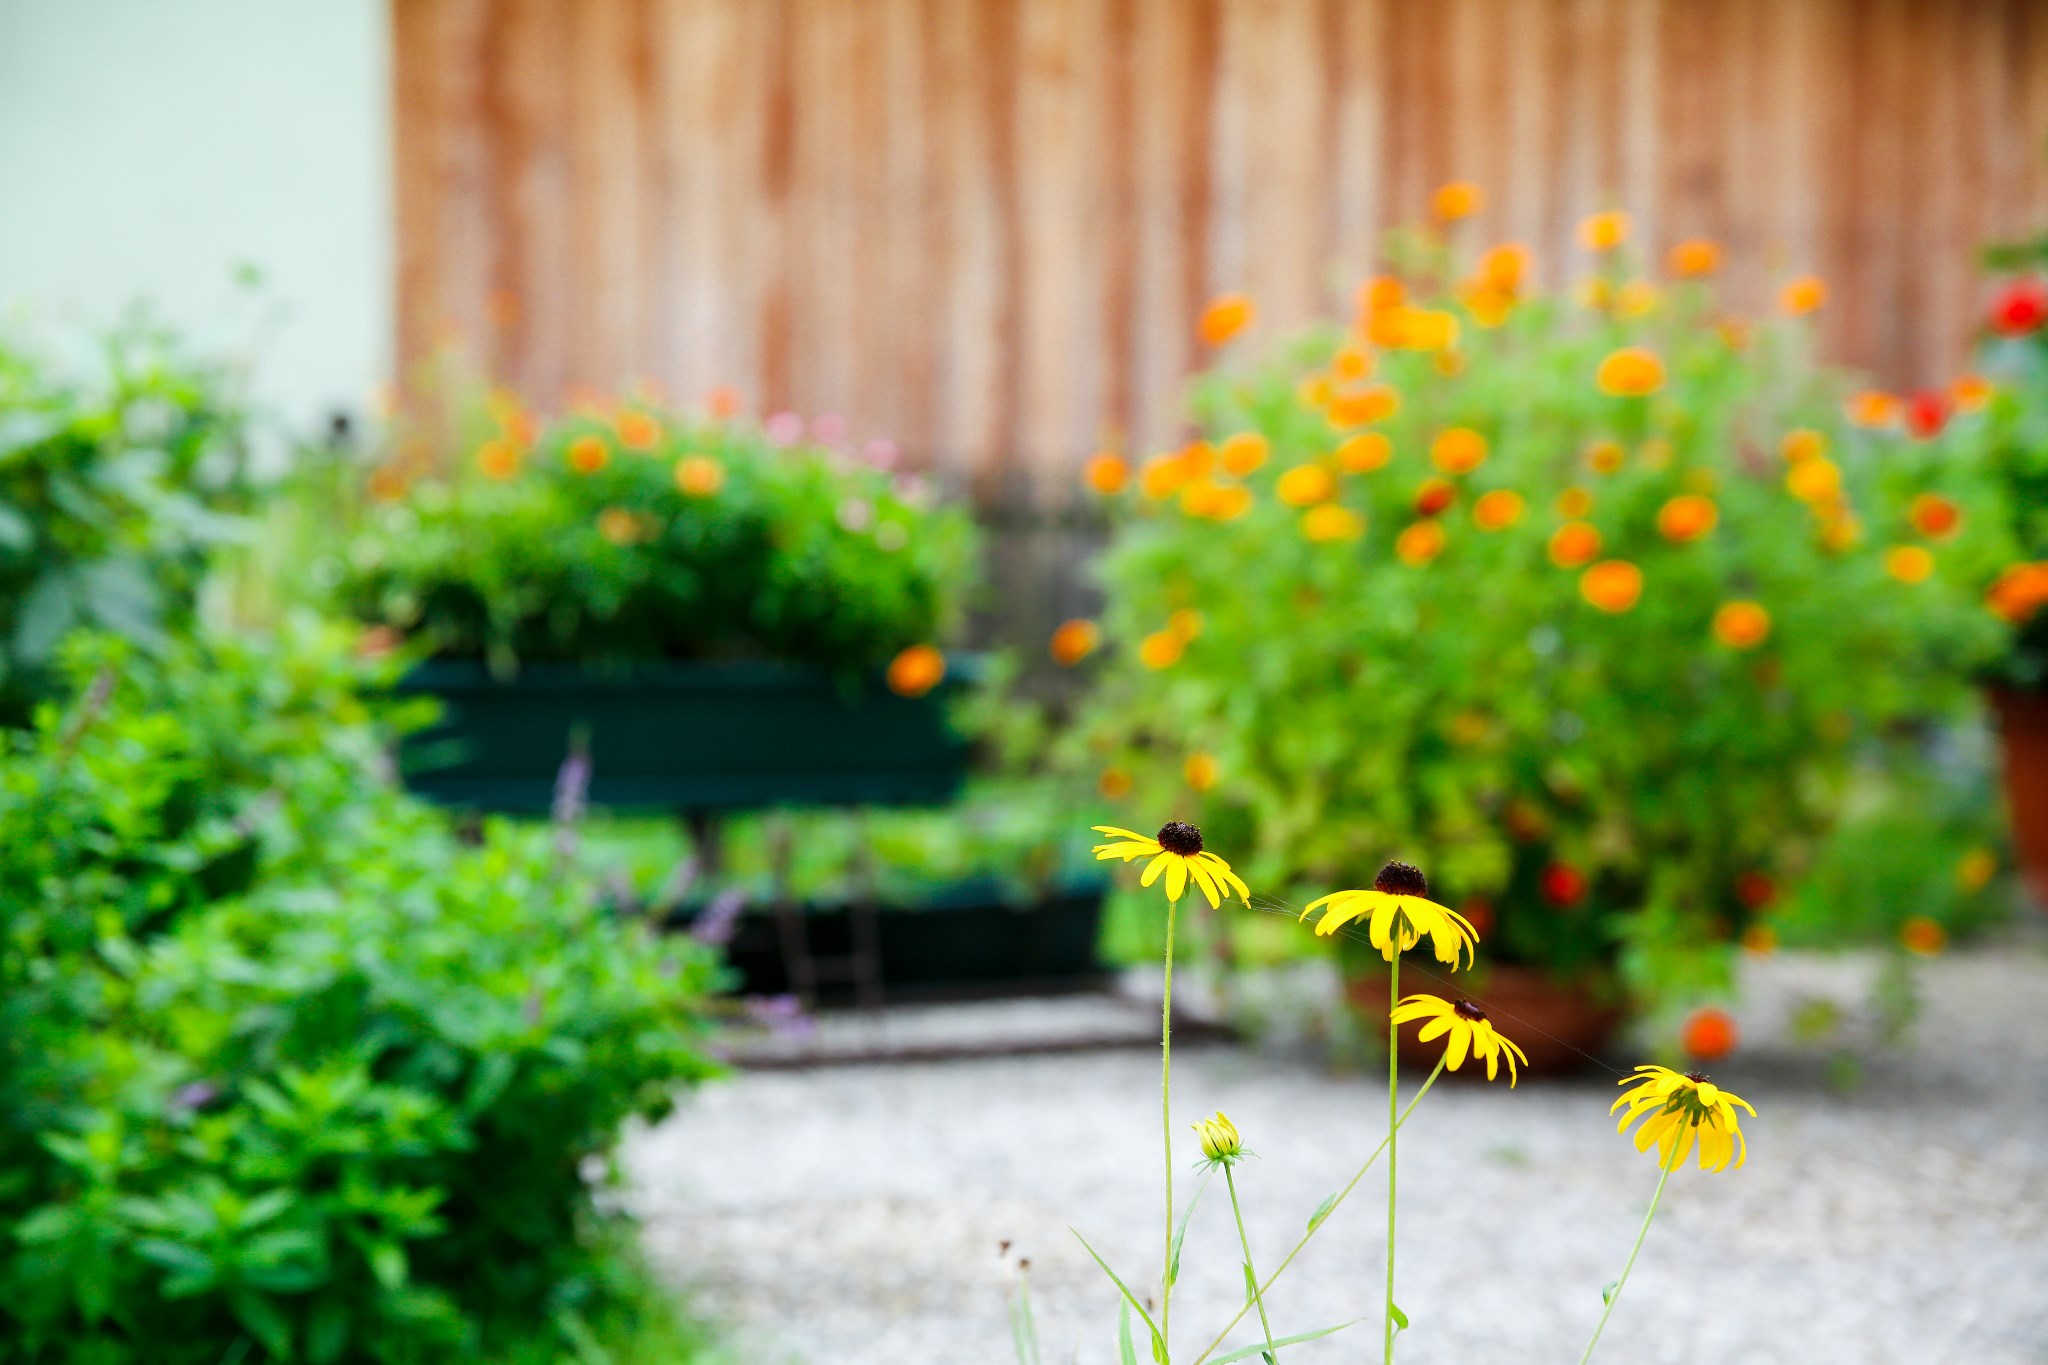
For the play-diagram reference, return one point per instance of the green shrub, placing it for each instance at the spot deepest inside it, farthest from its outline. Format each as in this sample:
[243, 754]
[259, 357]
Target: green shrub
[288, 1072]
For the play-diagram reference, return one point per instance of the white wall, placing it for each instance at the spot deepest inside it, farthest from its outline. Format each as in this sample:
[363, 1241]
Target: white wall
[148, 148]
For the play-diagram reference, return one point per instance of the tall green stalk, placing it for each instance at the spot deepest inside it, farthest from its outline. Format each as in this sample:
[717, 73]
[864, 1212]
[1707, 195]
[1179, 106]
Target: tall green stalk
[1393, 1129]
[1251, 1276]
[1677, 1154]
[1166, 1124]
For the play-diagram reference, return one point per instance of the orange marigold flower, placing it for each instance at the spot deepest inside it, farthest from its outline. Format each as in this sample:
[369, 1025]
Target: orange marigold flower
[723, 402]
[1497, 510]
[1305, 485]
[1161, 476]
[1936, 516]
[1970, 392]
[1114, 783]
[1909, 563]
[1631, 372]
[1161, 649]
[1760, 940]
[1802, 443]
[1839, 532]
[1802, 296]
[1742, 625]
[1457, 450]
[1413, 329]
[1074, 641]
[1201, 770]
[2019, 592]
[498, 458]
[1365, 452]
[1362, 408]
[637, 430]
[618, 526]
[1107, 473]
[588, 454]
[916, 671]
[1694, 257]
[1923, 936]
[1419, 542]
[1185, 624]
[1244, 452]
[1488, 307]
[1198, 458]
[1687, 517]
[1606, 457]
[1708, 1035]
[1381, 293]
[1217, 502]
[1573, 544]
[1332, 522]
[1316, 390]
[1814, 480]
[1870, 408]
[1574, 502]
[699, 476]
[1225, 317]
[1458, 199]
[1504, 268]
[1612, 585]
[1603, 231]
[1351, 362]
[1434, 496]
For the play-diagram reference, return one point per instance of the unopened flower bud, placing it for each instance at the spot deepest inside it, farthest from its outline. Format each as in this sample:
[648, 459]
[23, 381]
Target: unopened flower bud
[1220, 1141]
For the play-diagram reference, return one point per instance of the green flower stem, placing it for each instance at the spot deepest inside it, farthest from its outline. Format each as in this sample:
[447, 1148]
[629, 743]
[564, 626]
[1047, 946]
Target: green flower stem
[1677, 1154]
[1258, 1295]
[1166, 1124]
[1393, 1127]
[1316, 1227]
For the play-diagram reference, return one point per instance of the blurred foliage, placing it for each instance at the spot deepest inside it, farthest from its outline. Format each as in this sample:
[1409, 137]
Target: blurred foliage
[287, 1072]
[116, 483]
[1592, 606]
[623, 531]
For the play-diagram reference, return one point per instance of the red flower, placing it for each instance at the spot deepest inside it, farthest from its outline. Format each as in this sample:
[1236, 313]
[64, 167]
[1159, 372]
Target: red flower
[1755, 889]
[1926, 414]
[2021, 309]
[1563, 885]
[1708, 1036]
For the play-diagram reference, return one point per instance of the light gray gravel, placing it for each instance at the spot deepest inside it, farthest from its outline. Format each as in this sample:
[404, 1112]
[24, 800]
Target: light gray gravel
[852, 1215]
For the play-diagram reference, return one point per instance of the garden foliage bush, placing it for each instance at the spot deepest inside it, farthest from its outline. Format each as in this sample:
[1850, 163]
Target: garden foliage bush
[286, 1071]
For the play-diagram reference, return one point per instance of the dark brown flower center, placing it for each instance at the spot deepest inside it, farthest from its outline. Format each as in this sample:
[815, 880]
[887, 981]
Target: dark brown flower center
[1465, 1009]
[1177, 836]
[1696, 1077]
[1401, 879]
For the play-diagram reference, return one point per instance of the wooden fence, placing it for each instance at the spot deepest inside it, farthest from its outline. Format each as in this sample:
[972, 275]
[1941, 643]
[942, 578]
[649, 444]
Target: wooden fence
[985, 226]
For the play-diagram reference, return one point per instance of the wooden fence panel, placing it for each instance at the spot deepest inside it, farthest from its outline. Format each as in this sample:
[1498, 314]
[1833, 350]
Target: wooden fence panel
[985, 227]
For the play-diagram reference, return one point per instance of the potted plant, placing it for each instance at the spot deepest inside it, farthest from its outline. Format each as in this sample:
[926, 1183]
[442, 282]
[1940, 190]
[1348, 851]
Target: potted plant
[718, 615]
[1590, 602]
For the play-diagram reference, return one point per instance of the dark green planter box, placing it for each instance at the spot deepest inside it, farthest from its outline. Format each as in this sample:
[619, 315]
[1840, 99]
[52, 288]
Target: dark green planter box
[680, 737]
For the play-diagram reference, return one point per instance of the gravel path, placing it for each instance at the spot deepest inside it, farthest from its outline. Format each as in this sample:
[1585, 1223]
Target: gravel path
[852, 1215]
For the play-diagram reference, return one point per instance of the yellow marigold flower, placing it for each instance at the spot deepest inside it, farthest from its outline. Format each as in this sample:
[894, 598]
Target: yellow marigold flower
[1225, 317]
[1074, 641]
[1635, 299]
[1742, 625]
[1497, 510]
[1177, 852]
[1469, 1032]
[1457, 450]
[1458, 199]
[1694, 258]
[1399, 914]
[1332, 522]
[1687, 517]
[1201, 770]
[1802, 443]
[1975, 869]
[1305, 485]
[1612, 585]
[1420, 543]
[1631, 372]
[1161, 649]
[1108, 473]
[1244, 452]
[498, 458]
[1376, 404]
[1217, 502]
[1680, 1109]
[1815, 479]
[1909, 563]
[1922, 936]
[1365, 452]
[1873, 408]
[637, 430]
[588, 454]
[699, 476]
[1970, 392]
[1219, 1137]
[1185, 624]
[1603, 231]
[1606, 457]
[916, 671]
[1413, 329]
[1574, 544]
[618, 526]
[1802, 296]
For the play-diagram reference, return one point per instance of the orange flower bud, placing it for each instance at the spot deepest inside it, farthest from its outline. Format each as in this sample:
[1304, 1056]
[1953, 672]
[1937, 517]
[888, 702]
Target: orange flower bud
[916, 671]
[1686, 518]
[1458, 450]
[1742, 625]
[588, 454]
[1497, 510]
[1909, 563]
[1108, 473]
[1802, 296]
[1574, 543]
[1420, 542]
[1225, 317]
[1458, 199]
[1612, 585]
[1074, 641]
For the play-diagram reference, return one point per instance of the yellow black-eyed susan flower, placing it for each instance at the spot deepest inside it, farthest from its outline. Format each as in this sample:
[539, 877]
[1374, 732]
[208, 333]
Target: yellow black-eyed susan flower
[1220, 1140]
[1676, 1109]
[1178, 853]
[1399, 915]
[1470, 1032]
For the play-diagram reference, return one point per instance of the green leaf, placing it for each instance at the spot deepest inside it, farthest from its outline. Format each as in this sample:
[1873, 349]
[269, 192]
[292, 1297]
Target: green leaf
[1181, 1232]
[1400, 1318]
[1127, 1353]
[1251, 1284]
[1260, 1349]
[1158, 1342]
[1607, 1291]
[1315, 1220]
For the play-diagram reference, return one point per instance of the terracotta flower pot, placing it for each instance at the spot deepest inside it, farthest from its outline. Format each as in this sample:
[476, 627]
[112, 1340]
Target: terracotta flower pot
[2023, 730]
[1562, 1027]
